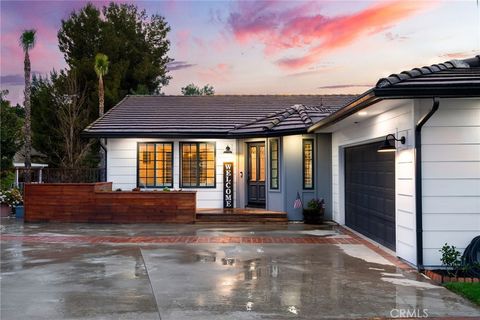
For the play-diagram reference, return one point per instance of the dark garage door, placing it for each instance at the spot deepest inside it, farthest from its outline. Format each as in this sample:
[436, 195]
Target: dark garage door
[370, 193]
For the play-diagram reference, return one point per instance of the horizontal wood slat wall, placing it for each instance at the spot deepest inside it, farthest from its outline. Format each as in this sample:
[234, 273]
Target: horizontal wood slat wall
[96, 202]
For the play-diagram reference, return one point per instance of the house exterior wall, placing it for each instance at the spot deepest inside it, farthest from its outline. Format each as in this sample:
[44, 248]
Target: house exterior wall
[451, 175]
[122, 170]
[324, 171]
[293, 177]
[291, 166]
[122, 167]
[397, 117]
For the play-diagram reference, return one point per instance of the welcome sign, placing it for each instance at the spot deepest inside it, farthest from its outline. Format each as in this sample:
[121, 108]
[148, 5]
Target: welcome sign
[228, 184]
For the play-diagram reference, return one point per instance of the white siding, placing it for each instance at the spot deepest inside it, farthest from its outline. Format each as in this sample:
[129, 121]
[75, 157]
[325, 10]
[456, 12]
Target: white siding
[394, 116]
[122, 167]
[451, 175]
[450, 167]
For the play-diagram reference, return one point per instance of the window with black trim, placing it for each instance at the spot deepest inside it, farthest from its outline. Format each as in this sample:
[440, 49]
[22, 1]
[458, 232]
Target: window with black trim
[274, 164]
[308, 164]
[155, 164]
[197, 164]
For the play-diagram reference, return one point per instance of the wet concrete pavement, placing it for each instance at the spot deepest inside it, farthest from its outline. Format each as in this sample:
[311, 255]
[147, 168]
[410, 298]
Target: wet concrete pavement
[207, 280]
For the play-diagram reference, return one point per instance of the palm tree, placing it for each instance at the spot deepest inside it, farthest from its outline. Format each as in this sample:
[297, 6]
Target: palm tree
[27, 42]
[101, 69]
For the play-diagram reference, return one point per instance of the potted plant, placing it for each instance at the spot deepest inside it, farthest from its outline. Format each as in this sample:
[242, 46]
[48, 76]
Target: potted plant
[9, 199]
[5, 208]
[313, 213]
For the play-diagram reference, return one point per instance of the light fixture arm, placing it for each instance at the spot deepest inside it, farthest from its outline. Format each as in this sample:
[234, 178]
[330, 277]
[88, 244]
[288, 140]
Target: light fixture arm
[402, 139]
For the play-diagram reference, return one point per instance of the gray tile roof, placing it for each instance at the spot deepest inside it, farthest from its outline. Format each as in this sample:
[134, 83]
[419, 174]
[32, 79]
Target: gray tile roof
[214, 116]
[451, 78]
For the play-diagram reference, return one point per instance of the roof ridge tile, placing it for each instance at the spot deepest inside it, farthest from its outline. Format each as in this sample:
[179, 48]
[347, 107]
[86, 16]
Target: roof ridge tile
[415, 72]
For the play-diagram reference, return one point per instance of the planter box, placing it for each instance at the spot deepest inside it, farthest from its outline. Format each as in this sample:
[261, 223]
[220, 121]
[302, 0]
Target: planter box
[5, 210]
[313, 216]
[442, 278]
[97, 203]
[19, 212]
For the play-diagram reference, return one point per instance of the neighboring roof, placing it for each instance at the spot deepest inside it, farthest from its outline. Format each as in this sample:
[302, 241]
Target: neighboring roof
[454, 78]
[214, 116]
[20, 165]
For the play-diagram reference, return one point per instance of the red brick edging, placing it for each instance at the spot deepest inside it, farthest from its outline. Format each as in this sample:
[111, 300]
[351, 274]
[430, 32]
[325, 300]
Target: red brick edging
[176, 239]
[440, 278]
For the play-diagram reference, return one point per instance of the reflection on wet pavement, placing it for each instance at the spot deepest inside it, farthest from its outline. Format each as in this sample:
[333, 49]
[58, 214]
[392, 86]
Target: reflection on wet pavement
[303, 282]
[207, 281]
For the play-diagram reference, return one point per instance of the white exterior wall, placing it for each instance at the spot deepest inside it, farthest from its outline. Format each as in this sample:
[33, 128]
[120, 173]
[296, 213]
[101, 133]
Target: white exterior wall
[122, 167]
[451, 175]
[393, 116]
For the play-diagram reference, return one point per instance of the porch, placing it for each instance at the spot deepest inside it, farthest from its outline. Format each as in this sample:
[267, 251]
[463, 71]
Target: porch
[239, 215]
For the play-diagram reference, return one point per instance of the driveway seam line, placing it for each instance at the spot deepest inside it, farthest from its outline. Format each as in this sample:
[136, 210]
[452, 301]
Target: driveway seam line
[150, 283]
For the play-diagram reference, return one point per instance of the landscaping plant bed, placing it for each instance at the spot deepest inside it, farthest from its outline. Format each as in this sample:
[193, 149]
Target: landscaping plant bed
[443, 276]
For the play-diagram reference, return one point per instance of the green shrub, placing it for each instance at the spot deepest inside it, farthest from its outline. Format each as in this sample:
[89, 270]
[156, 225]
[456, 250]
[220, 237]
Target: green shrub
[451, 259]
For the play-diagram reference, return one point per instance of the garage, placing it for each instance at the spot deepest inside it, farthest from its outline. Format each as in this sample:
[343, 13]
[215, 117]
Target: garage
[370, 192]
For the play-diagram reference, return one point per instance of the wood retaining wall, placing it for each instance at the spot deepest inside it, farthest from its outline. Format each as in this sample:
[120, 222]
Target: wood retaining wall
[97, 203]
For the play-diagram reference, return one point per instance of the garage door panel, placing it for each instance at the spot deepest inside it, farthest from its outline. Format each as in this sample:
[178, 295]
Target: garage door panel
[370, 193]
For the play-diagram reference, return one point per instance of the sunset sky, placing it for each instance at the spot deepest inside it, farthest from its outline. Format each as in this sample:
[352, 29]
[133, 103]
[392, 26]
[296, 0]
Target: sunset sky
[276, 47]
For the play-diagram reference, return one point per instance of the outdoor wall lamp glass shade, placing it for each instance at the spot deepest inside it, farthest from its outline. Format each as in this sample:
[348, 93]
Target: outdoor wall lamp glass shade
[387, 146]
[227, 150]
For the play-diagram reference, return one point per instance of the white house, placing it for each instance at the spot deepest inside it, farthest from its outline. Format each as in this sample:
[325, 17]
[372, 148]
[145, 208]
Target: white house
[183, 142]
[412, 200]
[426, 192]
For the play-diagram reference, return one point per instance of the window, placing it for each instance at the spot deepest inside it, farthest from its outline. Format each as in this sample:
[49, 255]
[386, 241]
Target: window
[274, 164]
[308, 164]
[197, 164]
[155, 164]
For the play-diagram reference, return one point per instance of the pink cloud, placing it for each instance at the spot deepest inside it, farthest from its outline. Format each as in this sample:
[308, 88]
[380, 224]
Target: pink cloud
[218, 73]
[281, 28]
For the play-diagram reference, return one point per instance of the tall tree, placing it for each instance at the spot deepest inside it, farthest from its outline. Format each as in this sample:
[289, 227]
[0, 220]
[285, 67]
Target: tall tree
[101, 69]
[60, 99]
[73, 119]
[135, 43]
[27, 42]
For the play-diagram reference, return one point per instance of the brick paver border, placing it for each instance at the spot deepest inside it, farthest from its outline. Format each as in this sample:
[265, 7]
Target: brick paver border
[176, 239]
[349, 238]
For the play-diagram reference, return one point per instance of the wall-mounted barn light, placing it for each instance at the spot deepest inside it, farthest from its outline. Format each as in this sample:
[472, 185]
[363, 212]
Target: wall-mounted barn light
[387, 146]
[227, 150]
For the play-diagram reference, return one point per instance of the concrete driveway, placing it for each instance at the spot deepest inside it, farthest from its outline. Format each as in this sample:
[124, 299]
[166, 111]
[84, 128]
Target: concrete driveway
[80, 271]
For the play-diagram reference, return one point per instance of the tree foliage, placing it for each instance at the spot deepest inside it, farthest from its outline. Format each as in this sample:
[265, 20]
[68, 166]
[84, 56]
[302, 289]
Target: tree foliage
[58, 117]
[193, 90]
[11, 135]
[101, 69]
[136, 45]
[27, 39]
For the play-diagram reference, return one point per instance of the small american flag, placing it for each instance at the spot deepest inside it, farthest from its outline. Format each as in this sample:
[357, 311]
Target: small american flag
[298, 202]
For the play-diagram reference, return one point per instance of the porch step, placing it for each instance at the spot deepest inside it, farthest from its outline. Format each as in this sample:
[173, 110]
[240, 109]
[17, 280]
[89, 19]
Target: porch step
[240, 216]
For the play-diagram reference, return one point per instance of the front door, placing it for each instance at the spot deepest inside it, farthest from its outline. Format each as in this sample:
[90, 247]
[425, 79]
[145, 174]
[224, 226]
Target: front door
[256, 175]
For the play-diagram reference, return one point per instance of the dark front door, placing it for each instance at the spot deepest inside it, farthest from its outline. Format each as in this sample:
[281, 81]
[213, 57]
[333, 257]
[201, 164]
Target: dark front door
[370, 193]
[256, 174]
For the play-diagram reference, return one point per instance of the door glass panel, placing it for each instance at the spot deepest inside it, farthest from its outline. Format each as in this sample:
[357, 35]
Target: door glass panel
[262, 163]
[253, 163]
